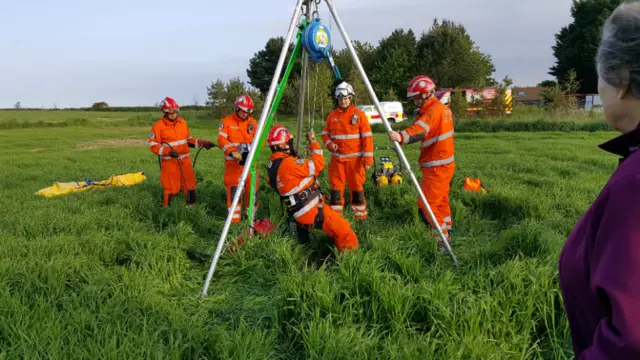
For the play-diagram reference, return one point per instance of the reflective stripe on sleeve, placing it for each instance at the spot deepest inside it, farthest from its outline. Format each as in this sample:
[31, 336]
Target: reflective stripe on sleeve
[437, 138]
[229, 145]
[312, 168]
[424, 126]
[405, 137]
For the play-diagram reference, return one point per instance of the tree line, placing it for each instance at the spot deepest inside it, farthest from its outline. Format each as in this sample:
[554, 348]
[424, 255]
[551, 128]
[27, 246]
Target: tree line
[445, 51]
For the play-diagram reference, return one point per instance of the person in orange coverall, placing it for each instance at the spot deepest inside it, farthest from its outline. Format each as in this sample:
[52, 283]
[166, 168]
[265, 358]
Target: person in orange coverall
[235, 135]
[295, 180]
[434, 129]
[347, 134]
[170, 139]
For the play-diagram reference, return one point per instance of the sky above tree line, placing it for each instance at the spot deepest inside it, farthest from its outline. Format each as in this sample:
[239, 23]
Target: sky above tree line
[72, 53]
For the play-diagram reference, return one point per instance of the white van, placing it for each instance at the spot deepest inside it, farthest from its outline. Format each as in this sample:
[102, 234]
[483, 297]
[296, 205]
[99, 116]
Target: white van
[393, 112]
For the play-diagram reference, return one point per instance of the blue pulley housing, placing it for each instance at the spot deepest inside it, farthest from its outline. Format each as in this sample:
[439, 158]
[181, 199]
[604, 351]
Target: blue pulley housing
[316, 41]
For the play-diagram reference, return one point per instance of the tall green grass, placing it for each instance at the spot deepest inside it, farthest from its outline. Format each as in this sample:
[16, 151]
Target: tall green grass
[105, 273]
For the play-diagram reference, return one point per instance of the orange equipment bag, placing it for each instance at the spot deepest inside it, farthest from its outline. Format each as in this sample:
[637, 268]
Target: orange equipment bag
[474, 185]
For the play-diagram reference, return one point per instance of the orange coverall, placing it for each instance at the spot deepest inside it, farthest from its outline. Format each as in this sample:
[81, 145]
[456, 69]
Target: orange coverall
[233, 133]
[434, 129]
[350, 130]
[175, 173]
[295, 181]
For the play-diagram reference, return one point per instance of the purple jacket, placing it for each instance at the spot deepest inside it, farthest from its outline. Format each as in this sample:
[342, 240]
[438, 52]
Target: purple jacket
[600, 264]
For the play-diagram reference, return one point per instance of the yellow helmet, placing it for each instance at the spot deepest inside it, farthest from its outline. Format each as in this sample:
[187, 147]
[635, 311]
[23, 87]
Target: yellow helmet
[382, 180]
[396, 179]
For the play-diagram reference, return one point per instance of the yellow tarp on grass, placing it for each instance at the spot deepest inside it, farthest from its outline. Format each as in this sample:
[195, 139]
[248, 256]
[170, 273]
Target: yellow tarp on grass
[65, 188]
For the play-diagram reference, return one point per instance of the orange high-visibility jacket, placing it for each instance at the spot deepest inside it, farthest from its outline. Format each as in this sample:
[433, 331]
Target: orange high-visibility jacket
[175, 133]
[234, 131]
[349, 129]
[295, 175]
[434, 128]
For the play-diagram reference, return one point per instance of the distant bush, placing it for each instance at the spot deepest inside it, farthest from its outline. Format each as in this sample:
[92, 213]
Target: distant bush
[15, 124]
[502, 125]
[100, 105]
[530, 126]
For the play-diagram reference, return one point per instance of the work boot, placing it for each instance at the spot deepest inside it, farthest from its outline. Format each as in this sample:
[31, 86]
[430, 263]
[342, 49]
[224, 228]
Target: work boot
[302, 235]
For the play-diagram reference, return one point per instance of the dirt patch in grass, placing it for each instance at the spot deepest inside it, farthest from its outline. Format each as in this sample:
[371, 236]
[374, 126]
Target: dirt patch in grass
[96, 144]
[35, 149]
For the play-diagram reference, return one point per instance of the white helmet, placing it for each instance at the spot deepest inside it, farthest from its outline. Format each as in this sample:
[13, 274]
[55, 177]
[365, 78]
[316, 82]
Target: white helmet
[343, 90]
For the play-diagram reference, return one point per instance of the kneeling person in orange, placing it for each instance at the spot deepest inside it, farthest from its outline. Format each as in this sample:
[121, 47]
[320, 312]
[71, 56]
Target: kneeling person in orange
[347, 134]
[295, 180]
[170, 139]
[434, 130]
[235, 134]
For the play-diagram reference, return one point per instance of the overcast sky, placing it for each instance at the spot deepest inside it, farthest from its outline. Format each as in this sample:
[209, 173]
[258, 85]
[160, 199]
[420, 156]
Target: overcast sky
[72, 53]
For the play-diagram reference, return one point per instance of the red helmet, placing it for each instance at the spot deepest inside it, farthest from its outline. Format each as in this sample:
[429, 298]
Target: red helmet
[420, 85]
[245, 103]
[278, 135]
[169, 105]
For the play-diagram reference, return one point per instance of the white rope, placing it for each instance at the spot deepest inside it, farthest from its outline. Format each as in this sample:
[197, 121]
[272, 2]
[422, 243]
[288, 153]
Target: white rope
[315, 95]
[308, 75]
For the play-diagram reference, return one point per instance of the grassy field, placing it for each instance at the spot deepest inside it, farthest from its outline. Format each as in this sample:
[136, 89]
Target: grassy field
[104, 274]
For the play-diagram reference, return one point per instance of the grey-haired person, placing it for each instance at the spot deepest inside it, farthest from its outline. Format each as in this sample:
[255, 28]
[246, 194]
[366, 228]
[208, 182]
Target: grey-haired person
[600, 262]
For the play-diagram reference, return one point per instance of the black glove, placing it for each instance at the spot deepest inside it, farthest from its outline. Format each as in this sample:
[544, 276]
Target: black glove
[244, 158]
[207, 144]
[174, 154]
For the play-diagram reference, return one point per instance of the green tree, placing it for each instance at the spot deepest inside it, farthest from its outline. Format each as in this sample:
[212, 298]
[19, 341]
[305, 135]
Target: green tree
[576, 44]
[100, 105]
[234, 89]
[559, 96]
[458, 105]
[391, 95]
[362, 95]
[395, 62]
[263, 65]
[547, 83]
[221, 96]
[452, 59]
[258, 101]
[318, 96]
[498, 103]
[366, 53]
[216, 97]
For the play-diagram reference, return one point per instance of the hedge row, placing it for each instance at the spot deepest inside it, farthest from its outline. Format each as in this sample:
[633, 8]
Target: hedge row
[472, 126]
[114, 109]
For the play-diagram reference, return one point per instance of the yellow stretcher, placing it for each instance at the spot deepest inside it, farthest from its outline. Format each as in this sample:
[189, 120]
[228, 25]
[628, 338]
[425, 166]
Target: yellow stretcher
[64, 188]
